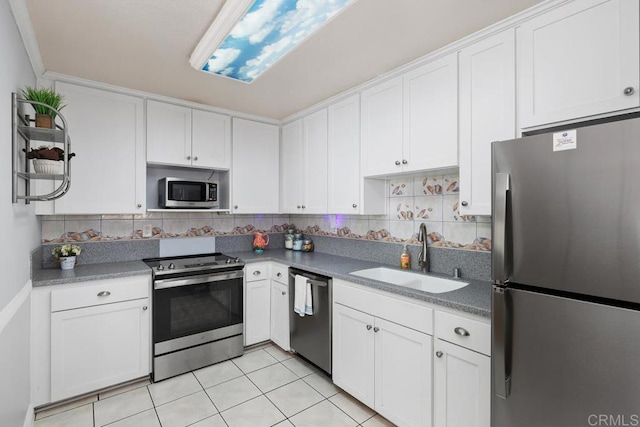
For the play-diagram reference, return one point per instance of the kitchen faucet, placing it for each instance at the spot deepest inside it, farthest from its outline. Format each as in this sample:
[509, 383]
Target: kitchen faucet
[423, 257]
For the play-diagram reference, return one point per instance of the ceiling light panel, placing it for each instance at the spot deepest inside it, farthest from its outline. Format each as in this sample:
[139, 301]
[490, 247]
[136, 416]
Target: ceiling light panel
[264, 34]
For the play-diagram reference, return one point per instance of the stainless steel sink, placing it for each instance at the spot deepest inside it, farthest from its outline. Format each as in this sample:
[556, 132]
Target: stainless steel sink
[435, 285]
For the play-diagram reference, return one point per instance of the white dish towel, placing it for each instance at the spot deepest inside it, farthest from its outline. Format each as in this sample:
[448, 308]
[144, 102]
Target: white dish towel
[302, 301]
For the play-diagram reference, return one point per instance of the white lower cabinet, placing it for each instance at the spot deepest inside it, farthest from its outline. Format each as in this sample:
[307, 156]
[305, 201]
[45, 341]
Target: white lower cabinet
[257, 307]
[462, 387]
[99, 336]
[380, 361]
[280, 306]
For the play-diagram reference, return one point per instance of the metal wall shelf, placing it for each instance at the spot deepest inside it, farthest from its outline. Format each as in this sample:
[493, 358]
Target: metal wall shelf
[22, 135]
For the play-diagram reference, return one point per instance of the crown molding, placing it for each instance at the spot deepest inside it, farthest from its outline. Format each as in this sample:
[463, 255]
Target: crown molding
[28, 34]
[230, 13]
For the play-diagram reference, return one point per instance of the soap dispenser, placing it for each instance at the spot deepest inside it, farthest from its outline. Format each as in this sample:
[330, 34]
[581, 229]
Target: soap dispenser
[405, 259]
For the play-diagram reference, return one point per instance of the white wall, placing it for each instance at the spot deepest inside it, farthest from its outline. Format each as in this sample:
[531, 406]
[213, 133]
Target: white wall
[20, 235]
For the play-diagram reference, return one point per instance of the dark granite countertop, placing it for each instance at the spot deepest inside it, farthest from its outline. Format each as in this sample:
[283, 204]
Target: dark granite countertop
[86, 272]
[474, 298]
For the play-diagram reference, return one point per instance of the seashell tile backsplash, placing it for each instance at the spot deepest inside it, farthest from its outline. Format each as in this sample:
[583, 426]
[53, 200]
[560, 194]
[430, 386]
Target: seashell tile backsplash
[430, 199]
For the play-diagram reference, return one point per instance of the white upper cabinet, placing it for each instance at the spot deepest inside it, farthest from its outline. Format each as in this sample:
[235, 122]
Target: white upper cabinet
[291, 168]
[304, 165]
[381, 114]
[108, 172]
[181, 136]
[255, 168]
[410, 123]
[578, 60]
[430, 116]
[348, 192]
[487, 114]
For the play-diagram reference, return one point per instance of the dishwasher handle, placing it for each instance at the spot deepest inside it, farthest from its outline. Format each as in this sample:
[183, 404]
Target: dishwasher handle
[311, 281]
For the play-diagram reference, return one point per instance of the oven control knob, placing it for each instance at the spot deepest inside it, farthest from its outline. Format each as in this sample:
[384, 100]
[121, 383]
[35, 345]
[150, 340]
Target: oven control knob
[171, 266]
[160, 267]
[237, 260]
[228, 261]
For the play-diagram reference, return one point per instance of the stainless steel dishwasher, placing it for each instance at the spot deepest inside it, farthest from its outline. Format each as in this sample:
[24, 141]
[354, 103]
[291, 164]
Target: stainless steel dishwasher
[311, 334]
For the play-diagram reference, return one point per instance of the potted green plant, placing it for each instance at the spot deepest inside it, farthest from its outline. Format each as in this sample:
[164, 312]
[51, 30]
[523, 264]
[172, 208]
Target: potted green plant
[66, 255]
[45, 116]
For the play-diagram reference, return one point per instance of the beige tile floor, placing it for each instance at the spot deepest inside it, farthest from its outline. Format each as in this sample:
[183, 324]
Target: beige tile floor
[265, 387]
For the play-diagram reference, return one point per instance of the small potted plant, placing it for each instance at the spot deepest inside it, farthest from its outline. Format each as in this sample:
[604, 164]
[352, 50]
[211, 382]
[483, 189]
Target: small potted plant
[45, 116]
[47, 159]
[66, 255]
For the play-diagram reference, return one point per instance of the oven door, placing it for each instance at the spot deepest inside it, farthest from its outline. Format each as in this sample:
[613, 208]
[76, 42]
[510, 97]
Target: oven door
[193, 310]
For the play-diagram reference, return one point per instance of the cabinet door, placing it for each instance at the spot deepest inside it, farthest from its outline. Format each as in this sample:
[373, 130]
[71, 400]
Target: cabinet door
[577, 60]
[210, 140]
[315, 163]
[344, 156]
[402, 374]
[353, 353]
[99, 346]
[257, 311]
[291, 168]
[108, 174]
[381, 124]
[462, 388]
[280, 314]
[487, 114]
[168, 134]
[430, 115]
[255, 171]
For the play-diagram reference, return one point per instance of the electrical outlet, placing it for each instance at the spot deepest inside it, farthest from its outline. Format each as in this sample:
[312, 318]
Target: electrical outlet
[147, 230]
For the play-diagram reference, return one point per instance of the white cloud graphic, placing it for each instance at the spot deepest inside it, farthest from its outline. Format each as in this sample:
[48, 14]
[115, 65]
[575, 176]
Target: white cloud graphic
[258, 24]
[222, 58]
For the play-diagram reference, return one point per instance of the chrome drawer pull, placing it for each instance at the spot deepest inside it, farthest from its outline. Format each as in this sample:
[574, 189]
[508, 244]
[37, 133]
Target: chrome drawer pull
[461, 331]
[376, 329]
[439, 354]
[256, 273]
[104, 294]
[279, 274]
[369, 327]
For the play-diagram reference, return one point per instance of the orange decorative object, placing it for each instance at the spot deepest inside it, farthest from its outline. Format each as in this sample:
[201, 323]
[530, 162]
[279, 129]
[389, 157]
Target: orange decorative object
[260, 240]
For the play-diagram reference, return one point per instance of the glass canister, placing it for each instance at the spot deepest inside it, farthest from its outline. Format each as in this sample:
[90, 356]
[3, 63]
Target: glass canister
[297, 242]
[288, 239]
[307, 245]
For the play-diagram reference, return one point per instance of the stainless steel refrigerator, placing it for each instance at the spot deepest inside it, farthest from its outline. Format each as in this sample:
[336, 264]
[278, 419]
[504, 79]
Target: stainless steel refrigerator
[566, 278]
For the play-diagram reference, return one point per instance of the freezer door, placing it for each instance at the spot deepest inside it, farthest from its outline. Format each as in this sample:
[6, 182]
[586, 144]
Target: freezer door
[569, 363]
[572, 215]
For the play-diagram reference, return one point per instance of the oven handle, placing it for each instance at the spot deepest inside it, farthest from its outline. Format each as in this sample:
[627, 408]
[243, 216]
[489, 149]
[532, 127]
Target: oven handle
[194, 280]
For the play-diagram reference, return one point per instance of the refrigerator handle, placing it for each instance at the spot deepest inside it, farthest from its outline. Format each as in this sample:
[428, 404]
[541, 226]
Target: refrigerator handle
[499, 252]
[501, 351]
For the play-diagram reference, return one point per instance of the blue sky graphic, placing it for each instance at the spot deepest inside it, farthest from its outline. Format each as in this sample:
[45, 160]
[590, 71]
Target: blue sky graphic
[269, 30]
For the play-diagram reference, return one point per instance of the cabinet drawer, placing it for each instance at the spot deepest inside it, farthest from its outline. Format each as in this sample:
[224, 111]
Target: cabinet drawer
[258, 271]
[280, 273]
[102, 292]
[414, 316]
[463, 331]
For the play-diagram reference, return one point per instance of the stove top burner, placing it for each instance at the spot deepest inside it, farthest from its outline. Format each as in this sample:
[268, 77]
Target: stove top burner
[188, 264]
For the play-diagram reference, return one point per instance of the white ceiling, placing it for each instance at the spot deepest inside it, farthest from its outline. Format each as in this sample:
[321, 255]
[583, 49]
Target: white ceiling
[146, 44]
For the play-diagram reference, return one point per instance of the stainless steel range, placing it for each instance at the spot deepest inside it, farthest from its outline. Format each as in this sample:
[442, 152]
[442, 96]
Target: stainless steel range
[197, 312]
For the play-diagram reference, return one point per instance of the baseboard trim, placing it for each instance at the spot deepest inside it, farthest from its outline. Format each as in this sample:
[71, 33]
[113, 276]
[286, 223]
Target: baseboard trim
[29, 417]
[10, 310]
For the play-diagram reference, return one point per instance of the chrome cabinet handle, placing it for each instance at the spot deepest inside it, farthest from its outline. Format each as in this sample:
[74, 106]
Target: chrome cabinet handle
[256, 273]
[439, 354]
[235, 207]
[298, 206]
[104, 294]
[195, 158]
[464, 203]
[354, 206]
[461, 331]
[188, 157]
[397, 162]
[139, 205]
[376, 329]
[279, 274]
[284, 293]
[303, 206]
[369, 327]
[144, 308]
[628, 91]
[404, 162]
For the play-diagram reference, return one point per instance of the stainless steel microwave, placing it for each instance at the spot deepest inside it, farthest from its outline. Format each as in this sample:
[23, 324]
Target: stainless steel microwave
[182, 193]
